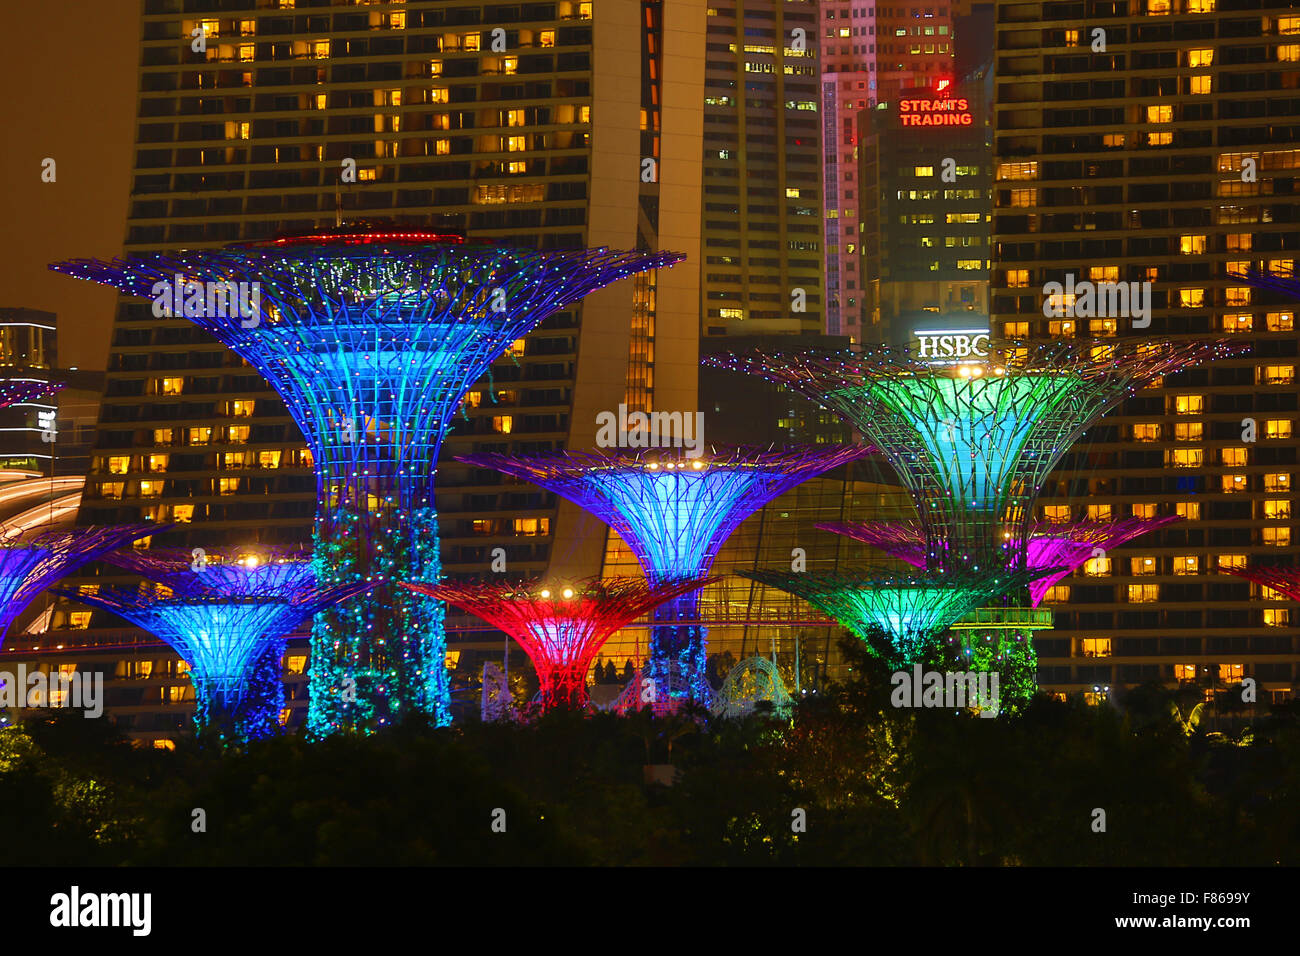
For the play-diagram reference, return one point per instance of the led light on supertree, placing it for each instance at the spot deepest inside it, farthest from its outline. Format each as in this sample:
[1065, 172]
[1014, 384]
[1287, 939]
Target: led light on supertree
[674, 512]
[372, 336]
[1060, 546]
[221, 628]
[973, 440]
[909, 611]
[16, 390]
[31, 562]
[561, 627]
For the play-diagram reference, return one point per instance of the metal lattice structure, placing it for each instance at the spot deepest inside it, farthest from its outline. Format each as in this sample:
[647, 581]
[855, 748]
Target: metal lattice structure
[752, 680]
[220, 627]
[250, 571]
[561, 629]
[910, 611]
[30, 563]
[674, 513]
[973, 441]
[1285, 581]
[16, 390]
[1062, 546]
[372, 338]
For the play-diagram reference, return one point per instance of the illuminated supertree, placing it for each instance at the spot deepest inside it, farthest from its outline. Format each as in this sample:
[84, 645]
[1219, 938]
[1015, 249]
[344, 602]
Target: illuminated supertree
[1061, 546]
[674, 513]
[221, 620]
[1283, 282]
[372, 337]
[973, 440]
[15, 390]
[1283, 580]
[561, 629]
[31, 562]
[910, 612]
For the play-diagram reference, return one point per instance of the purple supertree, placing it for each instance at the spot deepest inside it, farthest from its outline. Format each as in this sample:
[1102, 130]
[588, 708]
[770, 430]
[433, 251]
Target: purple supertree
[15, 390]
[372, 336]
[226, 614]
[31, 562]
[1062, 547]
[674, 512]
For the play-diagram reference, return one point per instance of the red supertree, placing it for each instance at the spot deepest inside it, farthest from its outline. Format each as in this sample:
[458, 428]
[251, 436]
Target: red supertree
[561, 628]
[1283, 580]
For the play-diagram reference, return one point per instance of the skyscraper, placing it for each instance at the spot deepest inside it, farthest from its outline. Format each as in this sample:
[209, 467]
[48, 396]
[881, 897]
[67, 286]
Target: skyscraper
[1145, 152]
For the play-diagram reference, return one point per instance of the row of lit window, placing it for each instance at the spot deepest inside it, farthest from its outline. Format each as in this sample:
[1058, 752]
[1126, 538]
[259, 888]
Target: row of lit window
[524, 527]
[1183, 564]
[1274, 509]
[1274, 322]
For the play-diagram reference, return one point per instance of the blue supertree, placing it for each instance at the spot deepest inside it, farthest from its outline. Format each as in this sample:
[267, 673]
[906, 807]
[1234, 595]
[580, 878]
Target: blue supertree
[227, 619]
[31, 562]
[674, 512]
[372, 337]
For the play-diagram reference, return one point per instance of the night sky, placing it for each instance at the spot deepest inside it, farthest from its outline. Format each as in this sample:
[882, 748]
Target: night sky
[68, 69]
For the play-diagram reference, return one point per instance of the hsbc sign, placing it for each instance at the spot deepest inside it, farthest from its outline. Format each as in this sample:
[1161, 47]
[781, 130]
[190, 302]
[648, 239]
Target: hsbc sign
[953, 343]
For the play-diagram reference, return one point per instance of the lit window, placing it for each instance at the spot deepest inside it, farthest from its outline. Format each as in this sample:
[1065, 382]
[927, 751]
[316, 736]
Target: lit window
[320, 49]
[296, 664]
[1191, 298]
[1277, 508]
[1277, 374]
[1279, 321]
[470, 42]
[1185, 671]
[269, 459]
[532, 526]
[1202, 57]
[1277, 428]
[1071, 37]
[1191, 245]
[1057, 514]
[247, 53]
[1189, 404]
[227, 486]
[1288, 25]
[439, 94]
[1280, 481]
[1057, 594]
[150, 489]
[1188, 510]
[1186, 457]
[503, 423]
[1199, 84]
[1236, 295]
[1097, 567]
[182, 514]
[1163, 113]
[1017, 278]
[1238, 323]
[1232, 484]
[514, 144]
[1157, 8]
[1200, 6]
[170, 386]
[442, 147]
[79, 619]
[1288, 52]
[158, 462]
[1233, 457]
[1146, 431]
[922, 170]
[546, 38]
[1143, 593]
[237, 434]
[200, 435]
[510, 65]
[1188, 431]
[1099, 512]
[1016, 330]
[111, 489]
[1187, 564]
[119, 464]
[1276, 537]
[1231, 561]
[1143, 509]
[1142, 566]
[1276, 617]
[1063, 329]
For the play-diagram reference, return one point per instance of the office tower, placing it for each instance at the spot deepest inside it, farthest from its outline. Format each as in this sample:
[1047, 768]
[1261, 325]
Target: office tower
[469, 117]
[762, 268]
[926, 165]
[869, 54]
[1144, 153]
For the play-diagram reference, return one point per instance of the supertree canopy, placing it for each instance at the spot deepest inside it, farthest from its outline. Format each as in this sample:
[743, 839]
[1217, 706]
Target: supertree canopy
[910, 612]
[1284, 282]
[561, 628]
[973, 440]
[674, 513]
[31, 562]
[221, 624]
[15, 390]
[372, 337]
[1060, 546]
[1283, 580]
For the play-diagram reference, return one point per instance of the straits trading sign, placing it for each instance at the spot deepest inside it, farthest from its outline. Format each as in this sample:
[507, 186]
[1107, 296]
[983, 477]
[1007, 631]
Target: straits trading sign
[935, 111]
[953, 343]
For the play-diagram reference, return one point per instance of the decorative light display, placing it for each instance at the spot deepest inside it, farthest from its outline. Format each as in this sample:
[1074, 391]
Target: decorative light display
[973, 440]
[561, 628]
[30, 563]
[674, 513]
[223, 619]
[15, 390]
[1285, 581]
[372, 336]
[909, 611]
[1062, 546]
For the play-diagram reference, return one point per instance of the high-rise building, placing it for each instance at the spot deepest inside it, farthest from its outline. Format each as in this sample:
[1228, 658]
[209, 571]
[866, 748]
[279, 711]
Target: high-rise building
[869, 54]
[762, 267]
[1146, 152]
[926, 165]
[257, 118]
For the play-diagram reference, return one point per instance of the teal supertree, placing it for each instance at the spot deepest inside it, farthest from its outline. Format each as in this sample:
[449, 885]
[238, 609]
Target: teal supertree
[372, 336]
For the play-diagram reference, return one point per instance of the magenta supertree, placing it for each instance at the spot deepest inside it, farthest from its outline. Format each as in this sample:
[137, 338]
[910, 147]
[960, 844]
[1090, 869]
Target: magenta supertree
[674, 512]
[31, 561]
[372, 335]
[1062, 547]
[560, 627]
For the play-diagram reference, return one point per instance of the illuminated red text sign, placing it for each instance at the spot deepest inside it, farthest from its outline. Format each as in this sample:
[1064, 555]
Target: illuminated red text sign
[929, 112]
